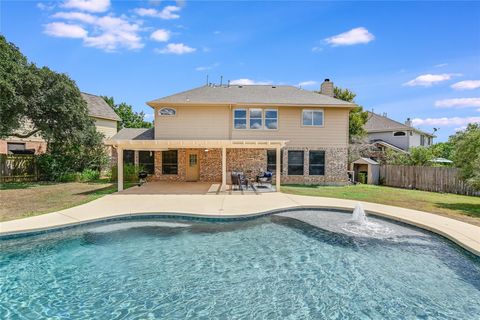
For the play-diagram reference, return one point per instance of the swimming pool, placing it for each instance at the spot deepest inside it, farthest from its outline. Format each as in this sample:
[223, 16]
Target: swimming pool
[297, 265]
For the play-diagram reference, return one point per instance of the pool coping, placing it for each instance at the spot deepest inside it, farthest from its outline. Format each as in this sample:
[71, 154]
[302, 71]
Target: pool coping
[229, 207]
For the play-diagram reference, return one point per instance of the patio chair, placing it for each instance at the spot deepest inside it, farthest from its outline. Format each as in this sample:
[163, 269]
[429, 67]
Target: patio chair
[265, 179]
[238, 180]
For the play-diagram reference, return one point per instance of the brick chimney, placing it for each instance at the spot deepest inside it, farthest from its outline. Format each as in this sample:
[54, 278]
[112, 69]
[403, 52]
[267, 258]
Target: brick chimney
[326, 88]
[408, 122]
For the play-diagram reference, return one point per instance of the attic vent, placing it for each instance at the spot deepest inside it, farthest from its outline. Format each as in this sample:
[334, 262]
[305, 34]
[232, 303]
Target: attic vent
[274, 87]
[240, 86]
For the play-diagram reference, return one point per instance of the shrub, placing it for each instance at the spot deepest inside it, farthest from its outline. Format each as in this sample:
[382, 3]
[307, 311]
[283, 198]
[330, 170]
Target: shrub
[89, 175]
[69, 177]
[130, 173]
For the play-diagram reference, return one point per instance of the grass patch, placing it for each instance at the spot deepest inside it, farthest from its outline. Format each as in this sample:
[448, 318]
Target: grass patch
[465, 208]
[20, 200]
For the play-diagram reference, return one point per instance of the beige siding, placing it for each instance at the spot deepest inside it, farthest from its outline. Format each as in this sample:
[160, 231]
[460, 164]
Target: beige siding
[105, 126]
[209, 122]
[216, 122]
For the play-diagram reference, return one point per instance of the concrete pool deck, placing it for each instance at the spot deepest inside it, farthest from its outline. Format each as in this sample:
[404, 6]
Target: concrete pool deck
[225, 205]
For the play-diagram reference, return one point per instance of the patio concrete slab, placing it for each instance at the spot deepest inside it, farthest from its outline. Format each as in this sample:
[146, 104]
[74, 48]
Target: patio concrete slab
[225, 205]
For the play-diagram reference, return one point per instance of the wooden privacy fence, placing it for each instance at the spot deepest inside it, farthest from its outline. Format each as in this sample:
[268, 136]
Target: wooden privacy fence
[437, 179]
[18, 168]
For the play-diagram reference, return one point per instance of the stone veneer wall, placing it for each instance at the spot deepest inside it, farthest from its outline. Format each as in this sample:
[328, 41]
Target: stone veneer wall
[253, 161]
[336, 161]
[210, 165]
[249, 161]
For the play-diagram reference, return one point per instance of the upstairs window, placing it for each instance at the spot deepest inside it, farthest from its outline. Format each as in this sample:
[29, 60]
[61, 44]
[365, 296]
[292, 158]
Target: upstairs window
[312, 118]
[271, 119]
[240, 118]
[399, 134]
[316, 165]
[167, 112]
[256, 120]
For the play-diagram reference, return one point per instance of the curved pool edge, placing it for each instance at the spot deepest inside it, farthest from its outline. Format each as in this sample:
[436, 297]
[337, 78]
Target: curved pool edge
[228, 207]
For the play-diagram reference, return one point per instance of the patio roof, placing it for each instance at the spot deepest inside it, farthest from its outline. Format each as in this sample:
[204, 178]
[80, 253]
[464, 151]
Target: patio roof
[168, 144]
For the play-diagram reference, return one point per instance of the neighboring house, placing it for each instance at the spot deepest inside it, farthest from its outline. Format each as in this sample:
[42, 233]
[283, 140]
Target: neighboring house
[105, 121]
[385, 133]
[205, 133]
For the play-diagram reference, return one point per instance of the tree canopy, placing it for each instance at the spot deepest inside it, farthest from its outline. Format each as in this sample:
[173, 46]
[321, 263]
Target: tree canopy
[39, 101]
[466, 153]
[130, 118]
[357, 117]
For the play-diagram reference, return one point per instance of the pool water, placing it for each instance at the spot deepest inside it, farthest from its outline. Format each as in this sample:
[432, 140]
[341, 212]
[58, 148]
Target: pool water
[301, 265]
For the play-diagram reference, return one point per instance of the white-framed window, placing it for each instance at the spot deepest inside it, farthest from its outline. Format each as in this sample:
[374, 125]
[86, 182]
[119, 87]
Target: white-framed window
[271, 119]
[256, 118]
[167, 112]
[240, 118]
[312, 118]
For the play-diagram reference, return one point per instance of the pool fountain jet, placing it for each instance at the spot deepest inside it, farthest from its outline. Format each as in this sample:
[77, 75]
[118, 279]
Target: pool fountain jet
[359, 215]
[360, 226]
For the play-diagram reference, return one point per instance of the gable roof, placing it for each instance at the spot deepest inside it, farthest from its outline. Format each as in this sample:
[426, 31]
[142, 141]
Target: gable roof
[98, 108]
[379, 123]
[134, 134]
[251, 94]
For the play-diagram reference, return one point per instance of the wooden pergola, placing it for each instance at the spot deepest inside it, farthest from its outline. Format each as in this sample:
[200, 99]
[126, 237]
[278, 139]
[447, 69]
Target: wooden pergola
[163, 145]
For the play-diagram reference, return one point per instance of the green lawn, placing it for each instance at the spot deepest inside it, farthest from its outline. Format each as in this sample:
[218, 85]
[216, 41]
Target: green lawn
[459, 207]
[20, 200]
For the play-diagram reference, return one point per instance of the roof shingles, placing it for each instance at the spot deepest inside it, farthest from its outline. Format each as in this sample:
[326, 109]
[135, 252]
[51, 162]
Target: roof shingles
[98, 108]
[251, 94]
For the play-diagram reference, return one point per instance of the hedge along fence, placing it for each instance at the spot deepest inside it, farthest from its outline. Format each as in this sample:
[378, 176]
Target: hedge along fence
[18, 168]
[437, 179]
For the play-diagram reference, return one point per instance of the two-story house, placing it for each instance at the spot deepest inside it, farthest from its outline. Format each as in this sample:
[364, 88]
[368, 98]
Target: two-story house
[386, 133]
[204, 133]
[100, 112]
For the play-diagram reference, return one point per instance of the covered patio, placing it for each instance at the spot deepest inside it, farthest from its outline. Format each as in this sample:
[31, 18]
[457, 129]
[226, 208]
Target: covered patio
[171, 186]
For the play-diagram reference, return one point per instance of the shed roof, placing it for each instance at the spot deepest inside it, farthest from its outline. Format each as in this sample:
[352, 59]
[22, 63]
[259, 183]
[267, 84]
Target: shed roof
[97, 107]
[251, 94]
[365, 161]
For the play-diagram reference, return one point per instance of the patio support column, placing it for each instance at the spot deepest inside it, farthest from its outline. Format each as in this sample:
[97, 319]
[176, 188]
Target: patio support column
[224, 169]
[120, 169]
[278, 169]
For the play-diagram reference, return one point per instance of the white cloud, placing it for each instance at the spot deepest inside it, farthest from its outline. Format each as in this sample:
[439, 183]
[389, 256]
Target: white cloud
[317, 49]
[78, 16]
[455, 121]
[205, 68]
[88, 5]
[160, 35]
[460, 128]
[351, 37]
[308, 83]
[108, 33]
[64, 30]
[458, 103]
[176, 48]
[466, 85]
[168, 13]
[427, 80]
[441, 65]
[246, 82]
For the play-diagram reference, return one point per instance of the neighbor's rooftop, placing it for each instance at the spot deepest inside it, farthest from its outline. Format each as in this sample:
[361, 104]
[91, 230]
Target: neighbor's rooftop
[380, 123]
[251, 94]
[97, 107]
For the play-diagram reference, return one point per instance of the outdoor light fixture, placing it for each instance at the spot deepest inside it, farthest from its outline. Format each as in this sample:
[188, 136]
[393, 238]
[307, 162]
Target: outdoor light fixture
[206, 150]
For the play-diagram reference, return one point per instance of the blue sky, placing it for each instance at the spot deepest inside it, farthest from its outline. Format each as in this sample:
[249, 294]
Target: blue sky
[408, 59]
